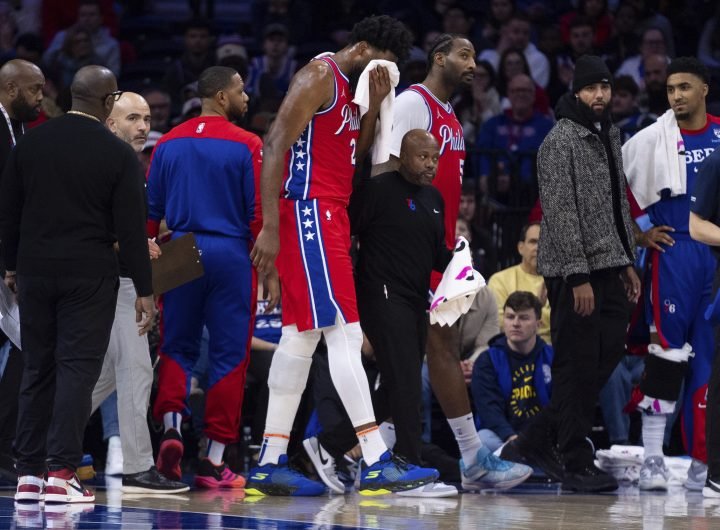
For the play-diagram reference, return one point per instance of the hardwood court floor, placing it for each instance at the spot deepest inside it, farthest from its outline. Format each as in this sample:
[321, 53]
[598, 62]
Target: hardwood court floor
[528, 506]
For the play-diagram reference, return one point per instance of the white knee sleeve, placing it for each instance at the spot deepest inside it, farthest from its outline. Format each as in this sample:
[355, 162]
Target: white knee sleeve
[344, 342]
[291, 361]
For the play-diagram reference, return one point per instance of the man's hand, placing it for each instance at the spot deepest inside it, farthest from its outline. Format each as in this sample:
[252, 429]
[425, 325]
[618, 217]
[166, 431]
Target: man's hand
[467, 367]
[265, 250]
[379, 87]
[656, 236]
[542, 295]
[11, 281]
[632, 283]
[144, 313]
[271, 290]
[154, 249]
[584, 299]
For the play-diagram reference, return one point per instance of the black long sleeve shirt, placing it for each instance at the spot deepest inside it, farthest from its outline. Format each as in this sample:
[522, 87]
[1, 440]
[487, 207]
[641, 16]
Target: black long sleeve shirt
[69, 190]
[402, 237]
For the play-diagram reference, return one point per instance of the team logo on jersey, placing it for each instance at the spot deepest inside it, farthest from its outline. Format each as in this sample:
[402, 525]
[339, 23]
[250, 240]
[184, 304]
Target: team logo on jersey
[411, 204]
[452, 139]
[350, 117]
[669, 307]
[716, 132]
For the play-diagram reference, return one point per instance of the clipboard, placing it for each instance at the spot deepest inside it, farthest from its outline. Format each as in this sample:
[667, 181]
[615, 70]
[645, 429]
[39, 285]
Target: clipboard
[178, 264]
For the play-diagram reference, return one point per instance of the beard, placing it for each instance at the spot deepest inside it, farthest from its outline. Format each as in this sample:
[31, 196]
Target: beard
[22, 110]
[236, 112]
[354, 78]
[602, 116]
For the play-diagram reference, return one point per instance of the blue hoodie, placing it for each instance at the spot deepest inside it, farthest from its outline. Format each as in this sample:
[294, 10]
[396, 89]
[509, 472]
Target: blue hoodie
[509, 388]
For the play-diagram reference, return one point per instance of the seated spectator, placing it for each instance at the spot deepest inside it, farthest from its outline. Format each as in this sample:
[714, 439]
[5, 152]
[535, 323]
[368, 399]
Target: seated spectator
[499, 13]
[596, 13]
[160, 108]
[270, 74]
[625, 112]
[457, 20]
[197, 57]
[581, 35]
[709, 45]
[652, 43]
[624, 40]
[513, 63]
[511, 381]
[61, 14]
[513, 135]
[231, 52]
[515, 34]
[524, 277]
[653, 98]
[479, 103]
[89, 18]
[77, 51]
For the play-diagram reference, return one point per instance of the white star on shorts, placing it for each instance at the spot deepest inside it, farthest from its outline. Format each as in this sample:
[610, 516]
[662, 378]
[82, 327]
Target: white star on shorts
[310, 236]
[306, 211]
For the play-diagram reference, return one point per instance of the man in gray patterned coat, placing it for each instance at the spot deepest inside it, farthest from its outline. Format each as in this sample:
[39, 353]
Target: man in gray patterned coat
[585, 254]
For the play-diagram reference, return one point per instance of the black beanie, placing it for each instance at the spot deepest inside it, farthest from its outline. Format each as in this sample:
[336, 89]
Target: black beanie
[590, 69]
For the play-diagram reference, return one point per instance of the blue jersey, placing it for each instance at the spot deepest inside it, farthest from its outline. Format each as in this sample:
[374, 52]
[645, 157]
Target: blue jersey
[268, 327]
[204, 178]
[675, 211]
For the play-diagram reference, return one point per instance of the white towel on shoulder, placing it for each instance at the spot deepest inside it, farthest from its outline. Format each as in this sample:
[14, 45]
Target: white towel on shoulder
[654, 160]
[381, 145]
[458, 287]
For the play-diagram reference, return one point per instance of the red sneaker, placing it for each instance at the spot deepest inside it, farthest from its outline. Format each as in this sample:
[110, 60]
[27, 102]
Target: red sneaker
[30, 489]
[170, 455]
[64, 486]
[211, 476]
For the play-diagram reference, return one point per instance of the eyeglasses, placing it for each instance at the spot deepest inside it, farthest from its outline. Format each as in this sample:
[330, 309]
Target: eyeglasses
[115, 95]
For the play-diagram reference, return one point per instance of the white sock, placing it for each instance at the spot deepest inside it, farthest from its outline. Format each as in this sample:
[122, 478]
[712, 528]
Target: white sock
[173, 420]
[466, 437]
[215, 451]
[114, 441]
[274, 445]
[387, 431]
[653, 432]
[372, 444]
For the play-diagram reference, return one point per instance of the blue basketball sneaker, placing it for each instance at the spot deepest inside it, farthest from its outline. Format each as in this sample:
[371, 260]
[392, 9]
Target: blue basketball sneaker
[392, 474]
[281, 480]
[490, 472]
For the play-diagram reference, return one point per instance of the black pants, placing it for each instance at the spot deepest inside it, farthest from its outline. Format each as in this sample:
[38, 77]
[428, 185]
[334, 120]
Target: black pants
[587, 350]
[397, 331]
[9, 389]
[65, 326]
[712, 413]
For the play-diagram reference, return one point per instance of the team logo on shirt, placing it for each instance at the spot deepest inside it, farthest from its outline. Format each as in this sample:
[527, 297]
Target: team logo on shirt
[411, 204]
[716, 132]
[350, 117]
[452, 139]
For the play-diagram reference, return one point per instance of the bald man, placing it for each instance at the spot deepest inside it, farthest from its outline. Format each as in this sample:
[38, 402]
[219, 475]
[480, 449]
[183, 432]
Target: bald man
[21, 84]
[126, 368]
[69, 190]
[399, 219]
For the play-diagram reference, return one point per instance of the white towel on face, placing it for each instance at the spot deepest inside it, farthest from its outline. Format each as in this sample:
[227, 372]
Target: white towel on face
[458, 287]
[381, 145]
[654, 160]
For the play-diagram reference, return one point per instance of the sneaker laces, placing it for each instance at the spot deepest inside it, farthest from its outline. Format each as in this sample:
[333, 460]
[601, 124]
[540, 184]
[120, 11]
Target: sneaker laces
[401, 462]
[494, 463]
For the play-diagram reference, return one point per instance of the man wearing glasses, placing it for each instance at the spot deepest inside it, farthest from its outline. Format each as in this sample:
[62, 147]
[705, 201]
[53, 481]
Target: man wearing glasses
[70, 189]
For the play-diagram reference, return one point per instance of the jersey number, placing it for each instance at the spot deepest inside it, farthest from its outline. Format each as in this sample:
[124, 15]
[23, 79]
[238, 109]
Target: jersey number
[353, 145]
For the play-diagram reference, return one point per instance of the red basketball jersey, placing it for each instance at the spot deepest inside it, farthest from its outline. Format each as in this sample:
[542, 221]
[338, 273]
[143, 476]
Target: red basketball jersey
[446, 129]
[321, 163]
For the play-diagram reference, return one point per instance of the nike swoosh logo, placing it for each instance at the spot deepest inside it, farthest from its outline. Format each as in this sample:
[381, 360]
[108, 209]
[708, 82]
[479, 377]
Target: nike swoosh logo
[324, 461]
[76, 488]
[436, 211]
